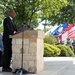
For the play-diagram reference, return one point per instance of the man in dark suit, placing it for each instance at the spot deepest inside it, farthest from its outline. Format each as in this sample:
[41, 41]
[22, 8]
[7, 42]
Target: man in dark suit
[9, 29]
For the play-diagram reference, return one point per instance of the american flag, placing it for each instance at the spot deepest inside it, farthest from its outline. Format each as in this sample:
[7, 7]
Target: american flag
[67, 33]
[71, 33]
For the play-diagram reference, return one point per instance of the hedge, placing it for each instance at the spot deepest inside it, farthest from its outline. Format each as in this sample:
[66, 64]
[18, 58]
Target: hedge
[51, 50]
[65, 50]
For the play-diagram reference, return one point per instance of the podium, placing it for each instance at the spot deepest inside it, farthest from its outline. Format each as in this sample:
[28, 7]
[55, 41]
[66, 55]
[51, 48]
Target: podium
[33, 60]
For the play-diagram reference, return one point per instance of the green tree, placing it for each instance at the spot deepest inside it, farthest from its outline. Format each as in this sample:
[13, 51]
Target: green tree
[1, 29]
[29, 11]
[66, 14]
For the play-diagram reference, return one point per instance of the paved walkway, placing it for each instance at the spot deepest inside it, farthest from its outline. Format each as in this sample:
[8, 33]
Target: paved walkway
[54, 66]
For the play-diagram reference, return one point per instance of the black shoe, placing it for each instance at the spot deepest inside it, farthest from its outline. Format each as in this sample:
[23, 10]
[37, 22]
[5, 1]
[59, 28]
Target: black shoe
[10, 68]
[6, 70]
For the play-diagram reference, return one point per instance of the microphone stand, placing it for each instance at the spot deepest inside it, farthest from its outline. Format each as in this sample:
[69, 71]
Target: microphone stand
[21, 70]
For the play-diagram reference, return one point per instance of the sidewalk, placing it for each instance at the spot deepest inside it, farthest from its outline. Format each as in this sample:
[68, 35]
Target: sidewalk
[70, 70]
[57, 65]
[54, 66]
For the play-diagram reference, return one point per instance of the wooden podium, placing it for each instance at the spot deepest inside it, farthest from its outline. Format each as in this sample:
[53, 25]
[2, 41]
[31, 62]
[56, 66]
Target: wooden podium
[33, 51]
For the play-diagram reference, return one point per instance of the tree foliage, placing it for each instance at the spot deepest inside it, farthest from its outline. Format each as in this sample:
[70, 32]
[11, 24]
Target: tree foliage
[66, 14]
[29, 11]
[1, 29]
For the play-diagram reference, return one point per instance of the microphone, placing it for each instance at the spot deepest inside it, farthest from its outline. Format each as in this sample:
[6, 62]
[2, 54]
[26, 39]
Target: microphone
[24, 26]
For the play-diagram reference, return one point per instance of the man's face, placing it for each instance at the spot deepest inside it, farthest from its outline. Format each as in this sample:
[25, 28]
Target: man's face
[12, 13]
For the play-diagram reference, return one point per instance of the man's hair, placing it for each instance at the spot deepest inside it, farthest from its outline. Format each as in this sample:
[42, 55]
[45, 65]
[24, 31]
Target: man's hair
[10, 11]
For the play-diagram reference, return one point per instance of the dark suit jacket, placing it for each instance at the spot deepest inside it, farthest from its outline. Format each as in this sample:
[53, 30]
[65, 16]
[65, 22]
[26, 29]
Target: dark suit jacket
[9, 28]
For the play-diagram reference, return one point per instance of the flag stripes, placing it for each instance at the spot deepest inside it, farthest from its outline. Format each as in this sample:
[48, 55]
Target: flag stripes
[71, 34]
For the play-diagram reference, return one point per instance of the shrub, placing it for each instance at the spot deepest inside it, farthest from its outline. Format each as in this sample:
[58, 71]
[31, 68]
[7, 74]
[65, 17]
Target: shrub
[65, 50]
[51, 50]
[49, 39]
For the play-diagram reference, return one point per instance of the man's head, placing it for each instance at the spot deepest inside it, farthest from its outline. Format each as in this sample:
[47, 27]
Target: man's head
[11, 13]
